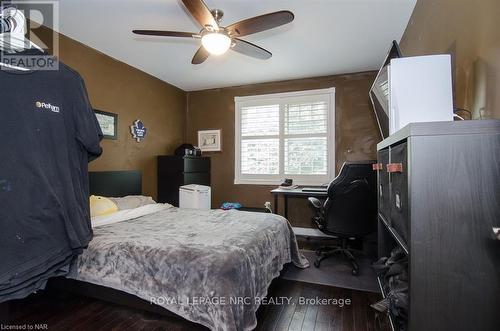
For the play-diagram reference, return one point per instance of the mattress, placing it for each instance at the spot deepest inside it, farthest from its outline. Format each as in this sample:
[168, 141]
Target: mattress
[211, 267]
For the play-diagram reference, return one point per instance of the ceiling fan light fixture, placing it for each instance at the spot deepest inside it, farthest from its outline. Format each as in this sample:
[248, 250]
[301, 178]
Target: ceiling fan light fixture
[217, 39]
[216, 43]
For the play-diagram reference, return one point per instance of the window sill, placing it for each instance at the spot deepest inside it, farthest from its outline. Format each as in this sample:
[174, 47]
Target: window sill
[277, 183]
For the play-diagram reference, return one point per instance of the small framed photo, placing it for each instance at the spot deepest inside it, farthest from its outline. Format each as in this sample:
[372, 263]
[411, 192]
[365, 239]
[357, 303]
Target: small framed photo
[209, 140]
[108, 123]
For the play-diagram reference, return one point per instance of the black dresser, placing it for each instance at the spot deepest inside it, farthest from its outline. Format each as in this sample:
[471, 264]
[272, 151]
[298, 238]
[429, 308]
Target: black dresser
[439, 198]
[175, 171]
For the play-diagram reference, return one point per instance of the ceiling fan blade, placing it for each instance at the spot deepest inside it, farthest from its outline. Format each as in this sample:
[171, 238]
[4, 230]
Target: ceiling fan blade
[200, 56]
[249, 49]
[260, 23]
[166, 33]
[201, 13]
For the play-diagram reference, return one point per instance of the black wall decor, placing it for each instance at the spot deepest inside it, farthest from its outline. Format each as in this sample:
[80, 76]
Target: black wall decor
[108, 123]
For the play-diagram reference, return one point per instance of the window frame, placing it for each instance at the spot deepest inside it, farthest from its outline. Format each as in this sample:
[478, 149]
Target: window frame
[327, 94]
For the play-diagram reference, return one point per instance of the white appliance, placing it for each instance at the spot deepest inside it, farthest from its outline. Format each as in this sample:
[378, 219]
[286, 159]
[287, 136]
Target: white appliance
[195, 196]
[420, 90]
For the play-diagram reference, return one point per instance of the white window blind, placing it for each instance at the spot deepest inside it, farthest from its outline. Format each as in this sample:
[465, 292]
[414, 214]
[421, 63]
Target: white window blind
[285, 135]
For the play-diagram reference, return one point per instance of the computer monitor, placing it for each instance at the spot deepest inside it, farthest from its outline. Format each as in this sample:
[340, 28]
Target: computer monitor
[379, 93]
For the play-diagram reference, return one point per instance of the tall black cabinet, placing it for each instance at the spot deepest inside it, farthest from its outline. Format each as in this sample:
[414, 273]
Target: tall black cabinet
[175, 171]
[439, 198]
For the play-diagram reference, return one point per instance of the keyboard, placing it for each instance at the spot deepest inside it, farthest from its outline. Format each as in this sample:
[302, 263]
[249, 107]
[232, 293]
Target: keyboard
[314, 189]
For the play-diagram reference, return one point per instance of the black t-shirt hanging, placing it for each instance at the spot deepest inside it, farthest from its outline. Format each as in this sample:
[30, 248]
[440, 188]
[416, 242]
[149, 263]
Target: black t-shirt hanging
[48, 134]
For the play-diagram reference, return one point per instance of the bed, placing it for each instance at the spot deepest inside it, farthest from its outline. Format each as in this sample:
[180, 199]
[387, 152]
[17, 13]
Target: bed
[210, 267]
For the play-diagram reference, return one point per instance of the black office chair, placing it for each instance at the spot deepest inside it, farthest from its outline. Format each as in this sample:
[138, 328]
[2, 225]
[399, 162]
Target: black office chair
[350, 211]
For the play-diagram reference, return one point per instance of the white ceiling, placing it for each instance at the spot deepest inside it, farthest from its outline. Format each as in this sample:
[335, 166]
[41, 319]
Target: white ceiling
[326, 37]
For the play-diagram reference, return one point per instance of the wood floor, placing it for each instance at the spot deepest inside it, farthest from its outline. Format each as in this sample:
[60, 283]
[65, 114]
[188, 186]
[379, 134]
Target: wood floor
[65, 311]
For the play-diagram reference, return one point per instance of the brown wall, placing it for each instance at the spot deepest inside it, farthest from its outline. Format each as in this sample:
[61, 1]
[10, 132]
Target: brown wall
[356, 130]
[470, 31]
[116, 87]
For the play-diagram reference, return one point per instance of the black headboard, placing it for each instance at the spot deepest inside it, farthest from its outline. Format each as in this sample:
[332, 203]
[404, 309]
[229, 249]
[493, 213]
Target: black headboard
[115, 183]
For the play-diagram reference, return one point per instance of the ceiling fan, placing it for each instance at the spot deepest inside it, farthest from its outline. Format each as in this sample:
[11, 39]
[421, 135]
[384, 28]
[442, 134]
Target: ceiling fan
[216, 39]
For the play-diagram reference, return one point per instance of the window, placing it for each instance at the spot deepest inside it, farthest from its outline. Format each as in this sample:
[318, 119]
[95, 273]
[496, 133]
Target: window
[285, 135]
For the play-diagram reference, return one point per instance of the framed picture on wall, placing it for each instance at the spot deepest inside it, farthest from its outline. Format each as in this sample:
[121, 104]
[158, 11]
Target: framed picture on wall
[210, 140]
[108, 123]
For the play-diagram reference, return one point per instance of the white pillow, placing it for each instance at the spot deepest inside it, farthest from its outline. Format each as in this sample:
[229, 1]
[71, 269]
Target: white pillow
[132, 201]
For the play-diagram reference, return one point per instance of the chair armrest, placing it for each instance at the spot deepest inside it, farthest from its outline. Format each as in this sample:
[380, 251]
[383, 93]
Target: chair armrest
[315, 203]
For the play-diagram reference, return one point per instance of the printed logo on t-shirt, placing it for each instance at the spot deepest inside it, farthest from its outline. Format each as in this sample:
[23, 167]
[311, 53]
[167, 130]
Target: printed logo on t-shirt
[48, 106]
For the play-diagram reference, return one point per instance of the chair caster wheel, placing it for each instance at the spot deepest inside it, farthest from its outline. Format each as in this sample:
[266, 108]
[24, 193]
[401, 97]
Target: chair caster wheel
[354, 272]
[316, 264]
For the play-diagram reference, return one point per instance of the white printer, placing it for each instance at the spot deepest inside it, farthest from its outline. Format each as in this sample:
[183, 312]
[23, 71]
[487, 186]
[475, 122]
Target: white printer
[195, 196]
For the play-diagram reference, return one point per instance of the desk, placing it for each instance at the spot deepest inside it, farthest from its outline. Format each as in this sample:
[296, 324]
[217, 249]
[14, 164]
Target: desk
[294, 193]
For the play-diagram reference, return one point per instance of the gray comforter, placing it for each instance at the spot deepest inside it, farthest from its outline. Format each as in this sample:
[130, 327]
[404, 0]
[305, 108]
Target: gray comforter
[210, 267]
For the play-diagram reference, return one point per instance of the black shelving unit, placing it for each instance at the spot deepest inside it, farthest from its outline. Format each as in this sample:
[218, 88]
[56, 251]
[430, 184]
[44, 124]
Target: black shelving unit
[439, 197]
[175, 171]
